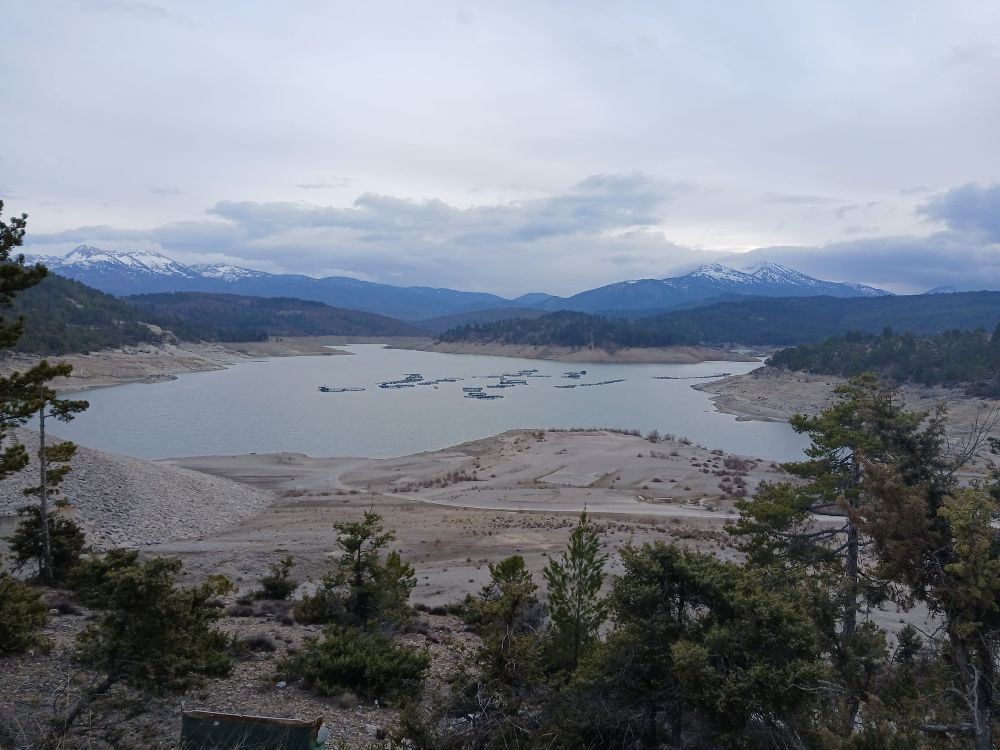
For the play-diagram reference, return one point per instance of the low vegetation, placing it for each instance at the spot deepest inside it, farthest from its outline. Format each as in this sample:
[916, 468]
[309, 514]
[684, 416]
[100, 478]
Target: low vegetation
[367, 588]
[22, 616]
[370, 664]
[278, 583]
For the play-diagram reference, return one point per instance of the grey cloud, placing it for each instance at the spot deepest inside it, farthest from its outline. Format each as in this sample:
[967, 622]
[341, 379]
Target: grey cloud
[970, 207]
[580, 238]
[843, 211]
[796, 200]
[971, 54]
[604, 229]
[159, 190]
[901, 264]
[597, 204]
[332, 184]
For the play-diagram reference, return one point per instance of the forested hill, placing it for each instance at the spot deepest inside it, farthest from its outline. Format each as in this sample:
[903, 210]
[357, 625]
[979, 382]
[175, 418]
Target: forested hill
[231, 317]
[573, 329]
[967, 358]
[63, 316]
[778, 322]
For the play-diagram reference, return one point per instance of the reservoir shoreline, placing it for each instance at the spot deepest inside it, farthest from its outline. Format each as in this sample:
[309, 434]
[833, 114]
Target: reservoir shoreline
[149, 363]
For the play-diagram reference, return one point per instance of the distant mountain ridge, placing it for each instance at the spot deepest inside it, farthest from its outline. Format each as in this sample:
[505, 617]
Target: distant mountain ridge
[708, 282]
[125, 273]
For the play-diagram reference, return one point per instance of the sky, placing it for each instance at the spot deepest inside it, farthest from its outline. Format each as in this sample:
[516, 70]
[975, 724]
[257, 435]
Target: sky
[512, 147]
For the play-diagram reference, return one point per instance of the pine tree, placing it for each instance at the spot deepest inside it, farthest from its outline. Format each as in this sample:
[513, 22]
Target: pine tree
[36, 397]
[363, 590]
[15, 276]
[150, 634]
[945, 552]
[866, 427]
[574, 584]
[23, 395]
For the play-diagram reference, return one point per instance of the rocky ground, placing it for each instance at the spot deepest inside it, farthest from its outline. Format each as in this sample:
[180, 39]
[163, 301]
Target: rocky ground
[127, 502]
[40, 686]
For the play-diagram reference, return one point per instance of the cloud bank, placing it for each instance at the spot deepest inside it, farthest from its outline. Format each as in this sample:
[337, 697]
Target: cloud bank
[605, 228]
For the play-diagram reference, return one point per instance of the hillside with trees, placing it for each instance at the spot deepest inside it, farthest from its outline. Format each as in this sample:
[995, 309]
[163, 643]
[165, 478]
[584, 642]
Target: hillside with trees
[777, 322]
[232, 317]
[573, 329]
[968, 358]
[63, 316]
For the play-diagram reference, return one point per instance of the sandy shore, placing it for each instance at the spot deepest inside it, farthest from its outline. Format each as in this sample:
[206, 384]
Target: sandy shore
[150, 364]
[458, 509]
[661, 355]
[771, 394]
[454, 510]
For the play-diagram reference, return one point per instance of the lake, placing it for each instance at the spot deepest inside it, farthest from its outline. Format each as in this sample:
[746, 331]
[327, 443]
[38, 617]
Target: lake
[274, 405]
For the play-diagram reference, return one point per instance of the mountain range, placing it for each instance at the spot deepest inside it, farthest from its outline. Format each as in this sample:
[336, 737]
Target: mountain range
[712, 282]
[144, 271]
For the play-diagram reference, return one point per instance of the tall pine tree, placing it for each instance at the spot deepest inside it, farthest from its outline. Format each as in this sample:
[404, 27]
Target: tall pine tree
[574, 583]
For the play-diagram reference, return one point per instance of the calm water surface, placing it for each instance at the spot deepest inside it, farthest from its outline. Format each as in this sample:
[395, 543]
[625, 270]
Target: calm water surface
[275, 405]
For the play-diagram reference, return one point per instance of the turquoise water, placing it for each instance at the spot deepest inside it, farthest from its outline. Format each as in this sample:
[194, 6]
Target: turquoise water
[275, 405]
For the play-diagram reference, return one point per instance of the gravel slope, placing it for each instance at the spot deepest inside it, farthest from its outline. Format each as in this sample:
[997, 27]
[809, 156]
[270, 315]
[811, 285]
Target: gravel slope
[123, 501]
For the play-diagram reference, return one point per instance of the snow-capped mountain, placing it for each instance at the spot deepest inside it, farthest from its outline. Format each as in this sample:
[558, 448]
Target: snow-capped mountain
[126, 273]
[709, 283]
[144, 271]
[942, 290]
[119, 271]
[135, 262]
[227, 272]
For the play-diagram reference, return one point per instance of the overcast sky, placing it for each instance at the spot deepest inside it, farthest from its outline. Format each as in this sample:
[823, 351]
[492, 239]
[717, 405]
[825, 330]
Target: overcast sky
[512, 147]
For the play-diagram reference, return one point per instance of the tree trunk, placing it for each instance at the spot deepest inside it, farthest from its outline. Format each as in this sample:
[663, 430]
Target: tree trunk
[852, 566]
[45, 563]
[851, 571]
[851, 595]
[977, 671]
[984, 698]
[85, 701]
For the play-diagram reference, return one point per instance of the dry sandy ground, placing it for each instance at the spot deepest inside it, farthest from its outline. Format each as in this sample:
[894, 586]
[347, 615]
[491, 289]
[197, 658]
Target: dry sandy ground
[771, 394]
[456, 510]
[662, 355]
